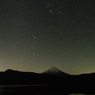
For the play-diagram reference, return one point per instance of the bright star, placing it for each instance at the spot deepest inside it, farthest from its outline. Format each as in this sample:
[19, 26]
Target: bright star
[34, 37]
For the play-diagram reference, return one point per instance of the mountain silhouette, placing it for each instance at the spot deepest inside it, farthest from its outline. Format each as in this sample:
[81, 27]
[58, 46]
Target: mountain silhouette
[54, 71]
[51, 79]
[11, 71]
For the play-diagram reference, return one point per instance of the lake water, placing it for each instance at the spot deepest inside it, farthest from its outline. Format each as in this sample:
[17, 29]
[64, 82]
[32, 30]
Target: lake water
[28, 90]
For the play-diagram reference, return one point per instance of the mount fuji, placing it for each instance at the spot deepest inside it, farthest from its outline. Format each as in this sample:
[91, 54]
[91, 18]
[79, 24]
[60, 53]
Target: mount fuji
[54, 71]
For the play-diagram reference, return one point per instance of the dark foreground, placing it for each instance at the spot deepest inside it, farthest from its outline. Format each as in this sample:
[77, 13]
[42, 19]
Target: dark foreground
[35, 90]
[39, 90]
[22, 83]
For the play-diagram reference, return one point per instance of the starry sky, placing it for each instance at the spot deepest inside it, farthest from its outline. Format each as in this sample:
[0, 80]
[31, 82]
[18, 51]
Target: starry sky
[39, 34]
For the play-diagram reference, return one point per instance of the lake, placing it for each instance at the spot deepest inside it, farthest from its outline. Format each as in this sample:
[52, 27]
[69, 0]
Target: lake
[31, 90]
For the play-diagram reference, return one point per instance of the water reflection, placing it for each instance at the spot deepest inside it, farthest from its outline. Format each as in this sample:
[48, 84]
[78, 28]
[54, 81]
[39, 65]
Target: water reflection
[77, 94]
[80, 94]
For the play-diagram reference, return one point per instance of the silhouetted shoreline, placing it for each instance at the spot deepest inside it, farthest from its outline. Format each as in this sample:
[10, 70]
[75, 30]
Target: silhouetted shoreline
[83, 83]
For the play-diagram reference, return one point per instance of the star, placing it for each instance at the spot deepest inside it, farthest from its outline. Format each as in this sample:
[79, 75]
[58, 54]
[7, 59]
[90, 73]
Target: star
[59, 12]
[34, 37]
[51, 11]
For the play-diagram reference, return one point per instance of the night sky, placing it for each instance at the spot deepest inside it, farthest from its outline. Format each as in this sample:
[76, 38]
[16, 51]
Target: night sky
[39, 34]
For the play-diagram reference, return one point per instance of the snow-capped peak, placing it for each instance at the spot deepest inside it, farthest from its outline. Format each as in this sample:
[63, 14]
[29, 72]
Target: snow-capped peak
[54, 71]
